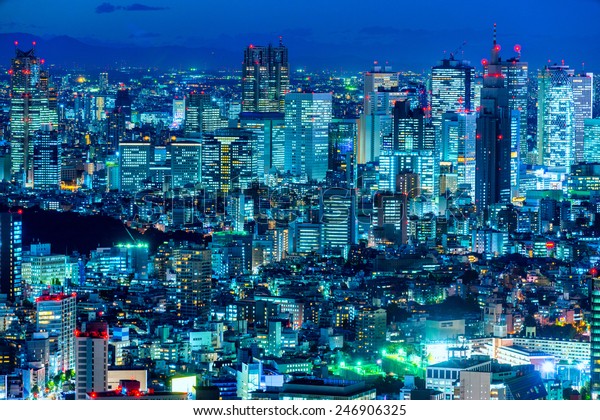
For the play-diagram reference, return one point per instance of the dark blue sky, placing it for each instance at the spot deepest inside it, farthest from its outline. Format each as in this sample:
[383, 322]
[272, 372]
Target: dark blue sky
[331, 33]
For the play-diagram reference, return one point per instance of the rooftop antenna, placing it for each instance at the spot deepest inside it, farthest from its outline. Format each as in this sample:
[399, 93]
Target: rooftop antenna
[280, 40]
[494, 34]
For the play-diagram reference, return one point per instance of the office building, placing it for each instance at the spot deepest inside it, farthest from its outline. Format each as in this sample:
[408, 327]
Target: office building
[381, 89]
[193, 271]
[56, 315]
[339, 222]
[185, 163]
[370, 330]
[91, 359]
[46, 158]
[591, 140]
[595, 337]
[265, 78]
[556, 117]
[29, 109]
[134, 165]
[307, 118]
[269, 129]
[11, 254]
[452, 88]
[229, 160]
[583, 101]
[493, 139]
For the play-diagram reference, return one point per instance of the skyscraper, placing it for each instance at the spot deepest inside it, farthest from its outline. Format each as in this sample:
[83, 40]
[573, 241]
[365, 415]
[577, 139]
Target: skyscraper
[91, 359]
[269, 128]
[29, 108]
[370, 330]
[595, 338]
[583, 101]
[493, 139]
[556, 117]
[229, 160]
[46, 158]
[381, 89]
[452, 88]
[11, 254]
[307, 118]
[56, 315]
[185, 163]
[193, 269]
[339, 222]
[134, 165]
[265, 78]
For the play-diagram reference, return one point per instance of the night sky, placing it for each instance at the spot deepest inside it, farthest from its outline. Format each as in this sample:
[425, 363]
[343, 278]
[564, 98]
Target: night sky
[334, 34]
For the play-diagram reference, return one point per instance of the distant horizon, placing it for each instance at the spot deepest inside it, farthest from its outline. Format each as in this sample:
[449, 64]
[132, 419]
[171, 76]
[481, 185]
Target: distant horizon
[68, 52]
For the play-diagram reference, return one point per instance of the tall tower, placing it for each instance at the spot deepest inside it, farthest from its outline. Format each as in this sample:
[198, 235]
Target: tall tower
[194, 275]
[265, 78]
[339, 228]
[556, 117]
[307, 118]
[46, 159]
[493, 139]
[452, 88]
[56, 315]
[381, 88]
[583, 101]
[11, 254]
[25, 112]
[91, 360]
[595, 338]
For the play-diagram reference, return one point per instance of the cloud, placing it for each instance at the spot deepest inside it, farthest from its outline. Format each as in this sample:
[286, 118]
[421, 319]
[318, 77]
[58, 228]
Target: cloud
[135, 7]
[106, 8]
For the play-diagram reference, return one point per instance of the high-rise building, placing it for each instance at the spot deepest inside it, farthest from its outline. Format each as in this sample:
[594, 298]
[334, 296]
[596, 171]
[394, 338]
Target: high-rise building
[11, 254]
[556, 117]
[591, 140]
[178, 112]
[29, 108]
[339, 222]
[185, 163]
[516, 80]
[458, 146]
[452, 88]
[595, 338]
[381, 89]
[56, 315]
[229, 160]
[193, 269]
[269, 128]
[46, 158]
[123, 103]
[265, 78]
[91, 359]
[115, 130]
[583, 101]
[370, 330]
[307, 118]
[134, 164]
[493, 139]
[202, 116]
[342, 153]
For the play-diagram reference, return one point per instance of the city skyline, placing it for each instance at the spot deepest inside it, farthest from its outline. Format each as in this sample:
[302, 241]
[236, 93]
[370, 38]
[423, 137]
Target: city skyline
[270, 230]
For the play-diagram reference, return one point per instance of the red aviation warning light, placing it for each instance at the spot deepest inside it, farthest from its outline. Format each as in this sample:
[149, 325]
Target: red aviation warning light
[497, 47]
[517, 49]
[484, 62]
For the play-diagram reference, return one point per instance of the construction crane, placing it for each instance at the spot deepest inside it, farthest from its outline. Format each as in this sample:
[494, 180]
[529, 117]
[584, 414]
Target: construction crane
[453, 53]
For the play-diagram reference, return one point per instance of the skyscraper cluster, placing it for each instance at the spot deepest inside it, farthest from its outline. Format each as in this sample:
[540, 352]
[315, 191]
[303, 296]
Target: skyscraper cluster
[287, 234]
